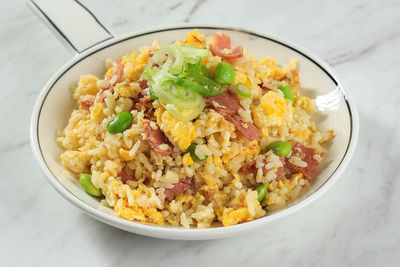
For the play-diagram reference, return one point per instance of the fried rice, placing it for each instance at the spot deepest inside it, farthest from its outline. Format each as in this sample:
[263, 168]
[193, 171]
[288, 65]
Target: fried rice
[141, 185]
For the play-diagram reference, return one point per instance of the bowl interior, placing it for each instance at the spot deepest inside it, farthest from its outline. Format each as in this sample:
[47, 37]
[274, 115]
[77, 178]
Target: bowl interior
[316, 82]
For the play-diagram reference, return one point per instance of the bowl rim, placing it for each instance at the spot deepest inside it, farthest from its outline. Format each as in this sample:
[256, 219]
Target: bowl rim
[180, 232]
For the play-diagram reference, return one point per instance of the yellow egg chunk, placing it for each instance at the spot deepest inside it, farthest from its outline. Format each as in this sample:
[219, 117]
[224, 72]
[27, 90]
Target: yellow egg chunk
[271, 112]
[305, 103]
[233, 217]
[274, 106]
[187, 159]
[194, 38]
[182, 133]
[87, 86]
[134, 64]
[274, 71]
[241, 78]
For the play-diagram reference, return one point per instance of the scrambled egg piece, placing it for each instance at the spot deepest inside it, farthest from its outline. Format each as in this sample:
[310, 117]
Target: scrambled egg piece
[274, 72]
[127, 206]
[124, 90]
[87, 86]
[194, 38]
[305, 103]
[249, 209]
[273, 105]
[232, 217]
[182, 133]
[304, 134]
[134, 64]
[75, 161]
[271, 112]
[135, 212]
[240, 77]
[187, 159]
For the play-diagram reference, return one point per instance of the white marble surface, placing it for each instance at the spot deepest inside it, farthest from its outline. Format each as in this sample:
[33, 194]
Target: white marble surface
[357, 223]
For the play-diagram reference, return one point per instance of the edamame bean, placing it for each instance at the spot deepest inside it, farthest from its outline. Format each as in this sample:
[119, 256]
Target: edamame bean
[86, 182]
[224, 73]
[120, 123]
[287, 91]
[261, 191]
[280, 148]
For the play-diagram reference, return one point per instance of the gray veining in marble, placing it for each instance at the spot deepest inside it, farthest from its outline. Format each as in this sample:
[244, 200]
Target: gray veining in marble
[357, 223]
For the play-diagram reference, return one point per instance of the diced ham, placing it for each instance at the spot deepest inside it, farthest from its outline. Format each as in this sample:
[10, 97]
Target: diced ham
[125, 177]
[145, 99]
[118, 72]
[223, 48]
[87, 103]
[279, 172]
[264, 88]
[178, 188]
[230, 104]
[248, 129]
[306, 154]
[157, 139]
[222, 41]
[251, 168]
[143, 103]
[101, 96]
[143, 84]
[227, 54]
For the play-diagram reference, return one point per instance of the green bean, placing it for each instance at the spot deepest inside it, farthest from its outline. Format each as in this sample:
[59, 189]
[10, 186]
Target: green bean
[86, 182]
[261, 191]
[224, 73]
[280, 148]
[287, 91]
[120, 123]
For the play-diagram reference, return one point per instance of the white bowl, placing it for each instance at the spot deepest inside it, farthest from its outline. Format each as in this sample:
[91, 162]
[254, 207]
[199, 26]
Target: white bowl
[54, 105]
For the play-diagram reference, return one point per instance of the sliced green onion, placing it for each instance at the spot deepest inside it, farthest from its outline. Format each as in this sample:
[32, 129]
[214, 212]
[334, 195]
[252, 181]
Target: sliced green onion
[153, 96]
[213, 87]
[287, 91]
[173, 57]
[205, 71]
[189, 51]
[192, 151]
[183, 104]
[209, 87]
[183, 114]
[177, 91]
[243, 90]
[168, 92]
[149, 73]
[195, 87]
[161, 76]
